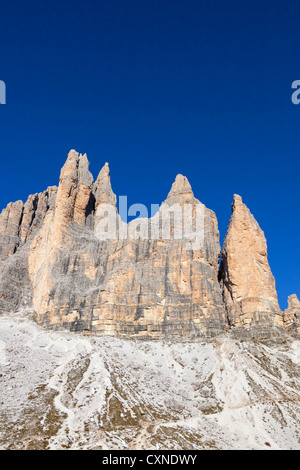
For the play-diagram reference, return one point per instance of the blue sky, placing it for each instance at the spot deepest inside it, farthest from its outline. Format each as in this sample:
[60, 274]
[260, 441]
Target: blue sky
[156, 88]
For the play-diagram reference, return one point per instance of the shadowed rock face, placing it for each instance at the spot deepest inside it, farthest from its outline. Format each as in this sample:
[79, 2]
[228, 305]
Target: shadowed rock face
[248, 284]
[10, 219]
[52, 260]
[19, 224]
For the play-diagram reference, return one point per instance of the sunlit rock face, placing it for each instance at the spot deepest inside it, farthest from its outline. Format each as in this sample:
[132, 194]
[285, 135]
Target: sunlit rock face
[137, 285]
[141, 280]
[248, 284]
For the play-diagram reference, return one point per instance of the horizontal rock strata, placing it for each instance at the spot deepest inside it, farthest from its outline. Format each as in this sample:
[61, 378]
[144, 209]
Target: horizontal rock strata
[291, 316]
[131, 286]
[54, 260]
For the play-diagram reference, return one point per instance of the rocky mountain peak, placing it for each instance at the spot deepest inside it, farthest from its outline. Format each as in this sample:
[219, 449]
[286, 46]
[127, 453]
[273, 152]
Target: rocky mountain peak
[181, 191]
[248, 284]
[50, 254]
[293, 301]
[181, 185]
[237, 202]
[102, 188]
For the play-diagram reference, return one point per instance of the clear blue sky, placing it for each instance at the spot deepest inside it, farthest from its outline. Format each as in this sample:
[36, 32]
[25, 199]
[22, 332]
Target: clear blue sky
[156, 88]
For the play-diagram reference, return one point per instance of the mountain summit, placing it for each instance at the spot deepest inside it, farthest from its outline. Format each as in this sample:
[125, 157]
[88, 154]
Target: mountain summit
[53, 263]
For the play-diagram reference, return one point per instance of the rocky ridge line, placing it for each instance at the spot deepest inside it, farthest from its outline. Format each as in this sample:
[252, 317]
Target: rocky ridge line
[52, 262]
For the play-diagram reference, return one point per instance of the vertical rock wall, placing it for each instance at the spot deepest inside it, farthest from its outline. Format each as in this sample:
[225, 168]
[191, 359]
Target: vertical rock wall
[52, 260]
[131, 286]
[247, 281]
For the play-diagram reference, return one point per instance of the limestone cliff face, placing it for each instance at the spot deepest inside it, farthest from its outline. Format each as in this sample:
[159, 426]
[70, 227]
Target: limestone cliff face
[19, 221]
[72, 208]
[10, 219]
[19, 224]
[291, 316]
[73, 196]
[248, 284]
[131, 286]
[142, 281]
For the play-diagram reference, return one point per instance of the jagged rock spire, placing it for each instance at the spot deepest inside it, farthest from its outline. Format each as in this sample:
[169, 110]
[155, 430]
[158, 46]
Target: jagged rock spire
[10, 219]
[180, 190]
[74, 191]
[245, 274]
[19, 221]
[102, 188]
[137, 285]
